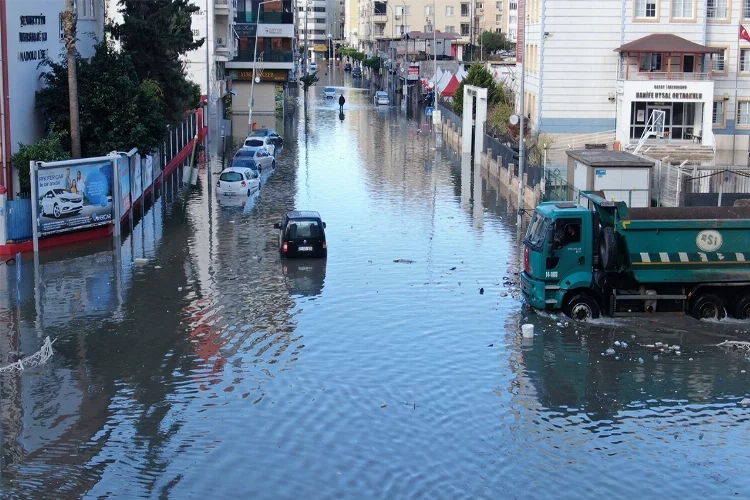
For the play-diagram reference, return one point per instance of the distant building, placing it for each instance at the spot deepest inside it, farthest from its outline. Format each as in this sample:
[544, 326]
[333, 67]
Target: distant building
[32, 32]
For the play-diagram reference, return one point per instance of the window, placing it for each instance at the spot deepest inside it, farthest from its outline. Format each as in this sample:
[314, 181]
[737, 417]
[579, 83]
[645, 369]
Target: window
[450, 28]
[449, 11]
[499, 5]
[718, 113]
[650, 62]
[743, 113]
[464, 10]
[428, 11]
[86, 9]
[718, 62]
[682, 9]
[513, 6]
[498, 18]
[402, 10]
[717, 9]
[480, 5]
[465, 29]
[745, 61]
[230, 177]
[645, 9]
[745, 9]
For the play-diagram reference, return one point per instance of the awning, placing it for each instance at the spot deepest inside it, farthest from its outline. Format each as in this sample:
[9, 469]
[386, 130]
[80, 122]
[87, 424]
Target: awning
[450, 89]
[662, 43]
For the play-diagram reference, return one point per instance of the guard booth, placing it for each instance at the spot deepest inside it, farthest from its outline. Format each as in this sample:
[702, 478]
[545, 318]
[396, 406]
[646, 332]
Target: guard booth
[618, 175]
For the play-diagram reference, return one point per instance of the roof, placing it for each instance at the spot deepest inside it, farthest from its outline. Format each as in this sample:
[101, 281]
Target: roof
[424, 35]
[450, 89]
[666, 43]
[302, 214]
[608, 158]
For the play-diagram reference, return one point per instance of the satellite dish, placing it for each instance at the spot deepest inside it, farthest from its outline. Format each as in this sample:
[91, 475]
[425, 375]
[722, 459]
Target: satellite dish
[513, 119]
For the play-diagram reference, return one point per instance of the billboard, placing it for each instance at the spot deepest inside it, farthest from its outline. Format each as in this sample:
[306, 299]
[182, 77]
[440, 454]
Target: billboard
[136, 177]
[123, 166]
[148, 171]
[74, 196]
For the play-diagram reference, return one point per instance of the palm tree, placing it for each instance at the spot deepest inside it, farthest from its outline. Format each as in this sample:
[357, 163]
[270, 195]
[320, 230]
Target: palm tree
[69, 27]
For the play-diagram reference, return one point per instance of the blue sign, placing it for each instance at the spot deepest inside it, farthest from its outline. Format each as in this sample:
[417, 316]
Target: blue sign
[601, 172]
[428, 110]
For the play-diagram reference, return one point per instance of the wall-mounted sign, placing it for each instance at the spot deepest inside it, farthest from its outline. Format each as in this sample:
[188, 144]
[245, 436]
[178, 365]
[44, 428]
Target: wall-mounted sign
[266, 75]
[320, 48]
[245, 29]
[277, 30]
[413, 73]
[32, 37]
[669, 92]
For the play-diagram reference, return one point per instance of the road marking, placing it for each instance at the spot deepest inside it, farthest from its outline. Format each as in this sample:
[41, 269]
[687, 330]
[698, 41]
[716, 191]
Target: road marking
[684, 257]
[664, 256]
[645, 257]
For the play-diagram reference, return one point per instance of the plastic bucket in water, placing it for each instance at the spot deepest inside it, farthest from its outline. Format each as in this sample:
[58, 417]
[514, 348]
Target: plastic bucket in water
[527, 331]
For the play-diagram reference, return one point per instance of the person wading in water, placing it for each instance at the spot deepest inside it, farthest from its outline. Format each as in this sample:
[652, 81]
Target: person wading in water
[341, 103]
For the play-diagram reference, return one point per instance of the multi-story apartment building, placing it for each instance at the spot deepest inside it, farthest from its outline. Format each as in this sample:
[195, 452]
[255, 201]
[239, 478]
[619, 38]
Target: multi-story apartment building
[319, 23]
[351, 23]
[266, 52]
[608, 65]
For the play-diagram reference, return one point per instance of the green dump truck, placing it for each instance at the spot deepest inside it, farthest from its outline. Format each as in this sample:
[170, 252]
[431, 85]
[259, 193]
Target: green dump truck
[606, 258]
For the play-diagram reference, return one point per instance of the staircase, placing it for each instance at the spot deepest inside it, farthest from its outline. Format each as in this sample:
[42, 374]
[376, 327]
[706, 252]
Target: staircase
[678, 152]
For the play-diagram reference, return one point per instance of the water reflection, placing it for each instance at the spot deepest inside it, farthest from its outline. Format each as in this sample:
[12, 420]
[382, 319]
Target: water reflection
[304, 277]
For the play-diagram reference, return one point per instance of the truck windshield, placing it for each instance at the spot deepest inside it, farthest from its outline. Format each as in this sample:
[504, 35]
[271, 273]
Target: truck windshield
[537, 230]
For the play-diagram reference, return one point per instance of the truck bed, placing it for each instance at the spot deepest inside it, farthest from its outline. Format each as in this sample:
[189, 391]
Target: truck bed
[688, 213]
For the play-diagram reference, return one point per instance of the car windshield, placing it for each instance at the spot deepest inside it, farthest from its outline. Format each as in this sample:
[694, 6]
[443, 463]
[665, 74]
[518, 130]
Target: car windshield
[330, 89]
[254, 142]
[244, 152]
[243, 163]
[230, 177]
[303, 228]
[382, 94]
[537, 230]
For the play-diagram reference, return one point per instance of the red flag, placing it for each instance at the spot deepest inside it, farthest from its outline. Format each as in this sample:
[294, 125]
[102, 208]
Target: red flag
[744, 35]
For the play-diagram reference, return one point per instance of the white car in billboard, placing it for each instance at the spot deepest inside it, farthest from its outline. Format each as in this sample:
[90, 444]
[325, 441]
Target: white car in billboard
[58, 202]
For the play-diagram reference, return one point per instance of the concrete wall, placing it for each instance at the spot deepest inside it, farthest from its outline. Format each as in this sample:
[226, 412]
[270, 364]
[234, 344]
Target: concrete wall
[264, 110]
[26, 122]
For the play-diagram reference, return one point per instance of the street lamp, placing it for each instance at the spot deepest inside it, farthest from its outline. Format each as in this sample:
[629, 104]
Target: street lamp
[256, 78]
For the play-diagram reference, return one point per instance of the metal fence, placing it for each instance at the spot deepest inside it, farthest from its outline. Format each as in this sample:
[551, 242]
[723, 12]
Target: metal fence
[18, 219]
[716, 187]
[505, 154]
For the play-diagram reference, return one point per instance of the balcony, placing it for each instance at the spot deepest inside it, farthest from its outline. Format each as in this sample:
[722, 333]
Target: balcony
[243, 17]
[379, 18]
[221, 7]
[275, 56]
[664, 75]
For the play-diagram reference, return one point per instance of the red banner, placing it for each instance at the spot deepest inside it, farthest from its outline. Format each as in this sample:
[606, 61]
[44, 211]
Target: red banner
[520, 34]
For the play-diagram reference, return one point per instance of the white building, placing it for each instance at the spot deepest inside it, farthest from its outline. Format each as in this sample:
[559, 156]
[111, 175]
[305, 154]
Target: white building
[594, 67]
[319, 23]
[33, 31]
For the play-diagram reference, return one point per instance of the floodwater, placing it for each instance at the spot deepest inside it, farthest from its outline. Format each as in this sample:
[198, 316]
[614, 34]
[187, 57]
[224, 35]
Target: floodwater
[215, 370]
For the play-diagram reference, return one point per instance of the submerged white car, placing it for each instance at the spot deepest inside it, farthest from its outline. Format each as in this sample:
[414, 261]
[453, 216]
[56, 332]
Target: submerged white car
[58, 202]
[238, 182]
[381, 97]
[329, 92]
[257, 142]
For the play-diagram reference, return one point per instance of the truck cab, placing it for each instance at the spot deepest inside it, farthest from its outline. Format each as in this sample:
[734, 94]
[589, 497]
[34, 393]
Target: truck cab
[559, 259]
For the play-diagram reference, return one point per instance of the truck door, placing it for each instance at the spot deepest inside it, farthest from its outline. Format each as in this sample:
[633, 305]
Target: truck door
[568, 253]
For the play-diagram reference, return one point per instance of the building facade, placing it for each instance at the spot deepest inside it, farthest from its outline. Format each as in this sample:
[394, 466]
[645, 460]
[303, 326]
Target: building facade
[320, 26]
[30, 32]
[267, 45]
[608, 66]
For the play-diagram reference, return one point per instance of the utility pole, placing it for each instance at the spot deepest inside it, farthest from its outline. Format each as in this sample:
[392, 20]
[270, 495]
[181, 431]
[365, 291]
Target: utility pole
[70, 32]
[304, 59]
[522, 122]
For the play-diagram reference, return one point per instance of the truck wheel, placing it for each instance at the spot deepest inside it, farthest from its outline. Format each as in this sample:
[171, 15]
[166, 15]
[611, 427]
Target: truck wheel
[708, 306]
[742, 308]
[607, 247]
[582, 307]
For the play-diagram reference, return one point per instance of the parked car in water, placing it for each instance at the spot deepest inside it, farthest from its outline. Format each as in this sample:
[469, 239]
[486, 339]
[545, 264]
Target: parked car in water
[276, 139]
[347, 67]
[258, 141]
[235, 181]
[313, 67]
[302, 234]
[357, 72]
[381, 97]
[58, 202]
[260, 155]
[329, 92]
[245, 162]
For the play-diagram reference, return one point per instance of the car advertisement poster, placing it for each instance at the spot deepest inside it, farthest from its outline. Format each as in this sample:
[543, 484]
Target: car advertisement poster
[123, 165]
[74, 197]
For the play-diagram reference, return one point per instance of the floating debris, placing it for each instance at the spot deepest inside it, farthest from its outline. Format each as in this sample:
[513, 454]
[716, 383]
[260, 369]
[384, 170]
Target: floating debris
[404, 261]
[383, 405]
[481, 291]
[140, 261]
[745, 401]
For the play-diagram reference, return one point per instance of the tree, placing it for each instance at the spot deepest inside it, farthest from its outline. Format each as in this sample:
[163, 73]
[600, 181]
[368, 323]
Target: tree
[156, 34]
[50, 148]
[117, 110]
[309, 80]
[479, 77]
[70, 20]
[373, 63]
[492, 42]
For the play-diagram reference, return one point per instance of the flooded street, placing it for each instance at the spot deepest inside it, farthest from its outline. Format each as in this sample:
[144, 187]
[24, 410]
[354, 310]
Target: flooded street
[392, 369]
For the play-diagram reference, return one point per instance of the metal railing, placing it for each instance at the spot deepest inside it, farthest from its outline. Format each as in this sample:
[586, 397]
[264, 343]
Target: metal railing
[663, 75]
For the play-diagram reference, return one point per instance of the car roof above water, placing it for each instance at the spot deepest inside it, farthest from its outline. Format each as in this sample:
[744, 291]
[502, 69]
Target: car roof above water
[302, 214]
